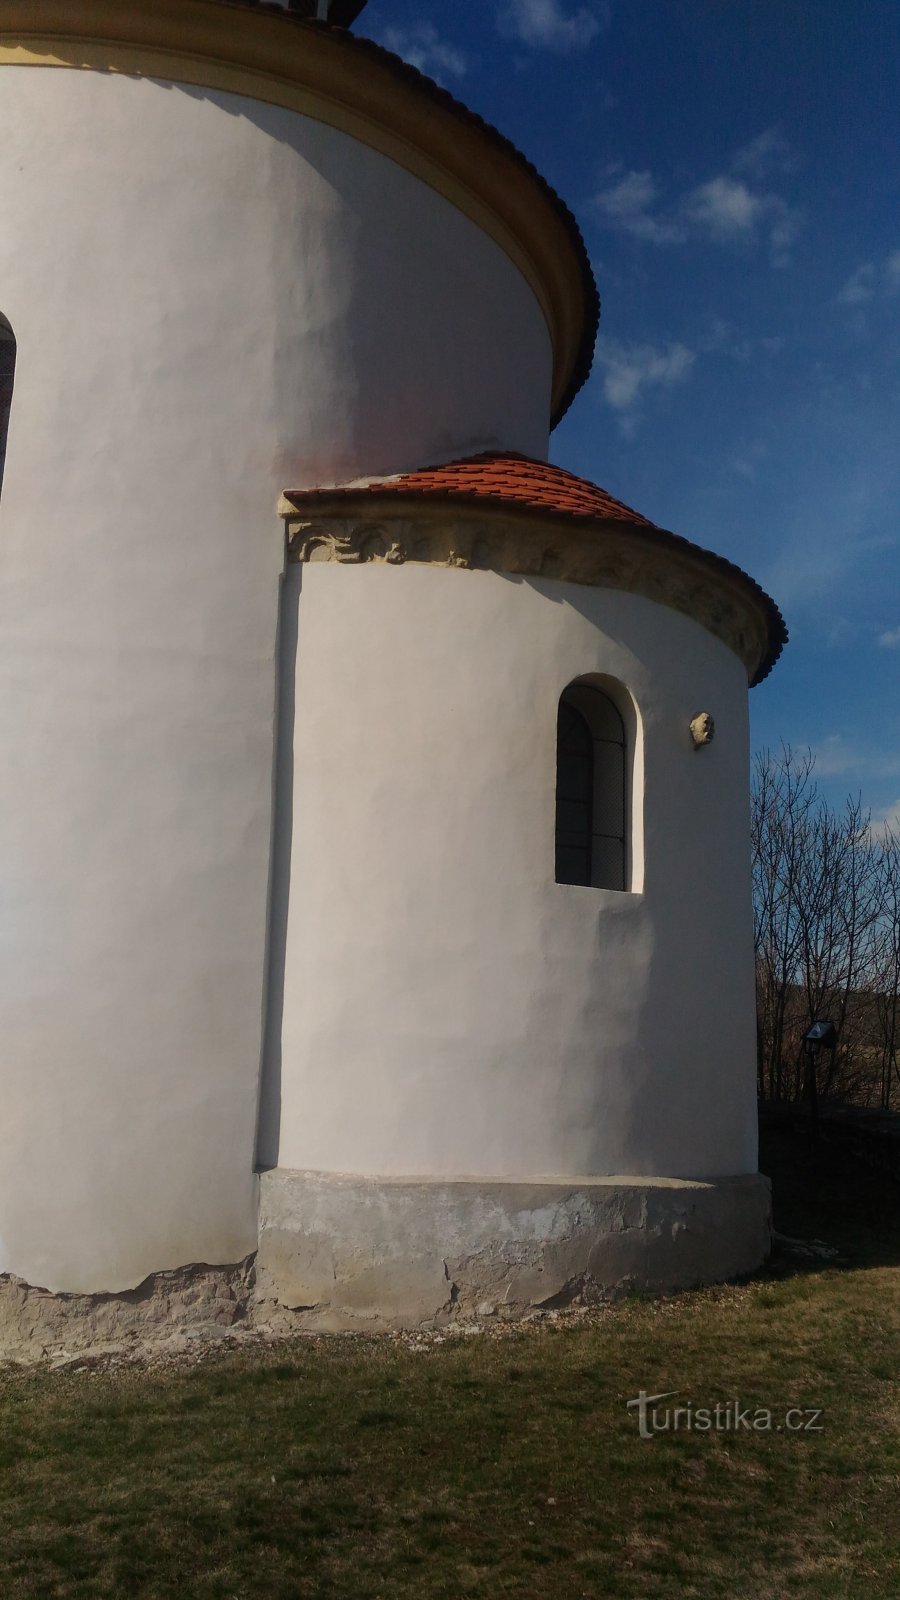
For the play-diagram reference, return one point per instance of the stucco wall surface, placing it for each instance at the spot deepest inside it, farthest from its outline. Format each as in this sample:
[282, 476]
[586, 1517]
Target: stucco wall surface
[211, 298]
[448, 1008]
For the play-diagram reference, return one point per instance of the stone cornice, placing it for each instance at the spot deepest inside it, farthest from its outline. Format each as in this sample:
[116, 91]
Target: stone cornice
[355, 86]
[649, 561]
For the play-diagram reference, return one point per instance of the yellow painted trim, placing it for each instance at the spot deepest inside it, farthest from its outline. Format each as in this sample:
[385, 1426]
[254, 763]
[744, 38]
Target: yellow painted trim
[311, 70]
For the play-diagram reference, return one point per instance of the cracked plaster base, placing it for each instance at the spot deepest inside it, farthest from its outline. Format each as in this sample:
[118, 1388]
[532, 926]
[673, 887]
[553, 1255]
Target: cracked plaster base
[347, 1252]
[358, 1253]
[34, 1321]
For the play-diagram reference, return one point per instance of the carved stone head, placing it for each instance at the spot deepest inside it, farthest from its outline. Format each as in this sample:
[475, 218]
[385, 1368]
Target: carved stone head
[703, 729]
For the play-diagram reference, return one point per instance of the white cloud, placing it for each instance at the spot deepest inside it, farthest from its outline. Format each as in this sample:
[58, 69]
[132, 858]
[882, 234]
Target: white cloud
[632, 371]
[887, 820]
[727, 208]
[747, 464]
[768, 152]
[724, 206]
[890, 640]
[860, 286]
[870, 279]
[839, 757]
[785, 223]
[729, 211]
[835, 756]
[719, 338]
[629, 370]
[550, 24]
[422, 46]
[628, 204]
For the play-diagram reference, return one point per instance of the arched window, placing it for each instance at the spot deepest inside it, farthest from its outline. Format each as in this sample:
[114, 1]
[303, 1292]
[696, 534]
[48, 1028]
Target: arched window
[591, 785]
[7, 369]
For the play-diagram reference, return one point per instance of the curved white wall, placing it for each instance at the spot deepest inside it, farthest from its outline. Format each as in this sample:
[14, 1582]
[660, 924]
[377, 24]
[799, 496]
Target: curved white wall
[212, 299]
[448, 1007]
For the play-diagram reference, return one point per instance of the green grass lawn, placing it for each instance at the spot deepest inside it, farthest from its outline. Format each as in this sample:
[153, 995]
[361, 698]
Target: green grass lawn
[494, 1466]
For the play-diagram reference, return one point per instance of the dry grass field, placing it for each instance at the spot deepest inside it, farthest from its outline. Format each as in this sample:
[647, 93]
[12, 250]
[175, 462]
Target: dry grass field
[500, 1464]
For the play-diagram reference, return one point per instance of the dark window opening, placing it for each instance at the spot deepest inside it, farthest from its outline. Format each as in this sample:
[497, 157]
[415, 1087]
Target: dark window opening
[591, 833]
[7, 372]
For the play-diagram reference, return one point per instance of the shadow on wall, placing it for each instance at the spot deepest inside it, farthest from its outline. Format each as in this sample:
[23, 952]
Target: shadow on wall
[353, 299]
[269, 1113]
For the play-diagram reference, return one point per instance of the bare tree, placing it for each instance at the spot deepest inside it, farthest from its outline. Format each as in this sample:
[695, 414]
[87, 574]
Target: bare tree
[838, 908]
[887, 960]
[827, 928]
[784, 803]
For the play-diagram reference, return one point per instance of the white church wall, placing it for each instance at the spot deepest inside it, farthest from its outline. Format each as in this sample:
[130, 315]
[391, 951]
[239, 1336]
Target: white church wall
[211, 298]
[449, 1009]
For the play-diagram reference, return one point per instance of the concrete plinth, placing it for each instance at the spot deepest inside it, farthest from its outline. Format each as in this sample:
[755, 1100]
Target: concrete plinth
[344, 1251]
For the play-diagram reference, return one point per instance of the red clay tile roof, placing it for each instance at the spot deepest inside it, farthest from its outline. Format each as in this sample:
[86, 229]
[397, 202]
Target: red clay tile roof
[508, 476]
[517, 481]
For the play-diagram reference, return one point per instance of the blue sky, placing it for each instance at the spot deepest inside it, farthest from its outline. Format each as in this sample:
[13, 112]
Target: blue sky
[734, 167]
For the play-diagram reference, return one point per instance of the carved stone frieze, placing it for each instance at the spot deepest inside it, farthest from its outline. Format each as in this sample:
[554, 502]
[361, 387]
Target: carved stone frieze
[611, 556]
